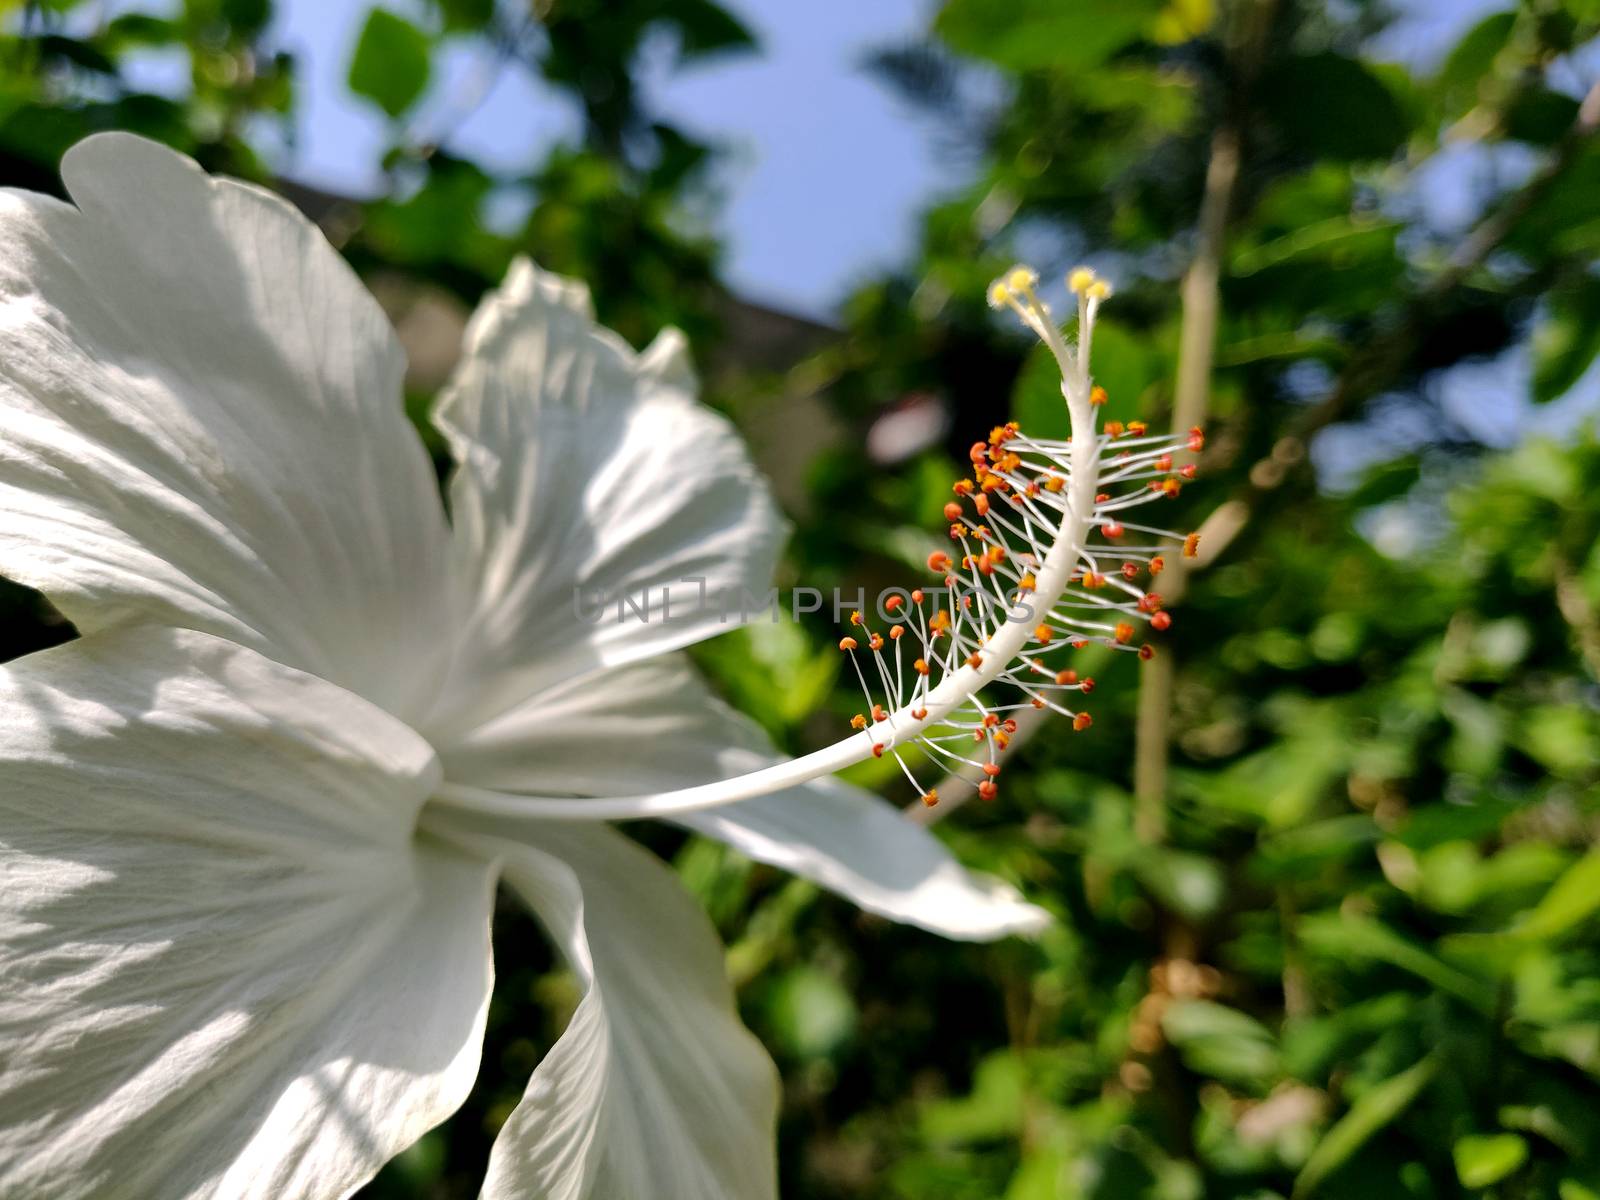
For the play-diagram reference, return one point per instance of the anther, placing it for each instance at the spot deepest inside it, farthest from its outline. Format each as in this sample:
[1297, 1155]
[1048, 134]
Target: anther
[1082, 721]
[847, 643]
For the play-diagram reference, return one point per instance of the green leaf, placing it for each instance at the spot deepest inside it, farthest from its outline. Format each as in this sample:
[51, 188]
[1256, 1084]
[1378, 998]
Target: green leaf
[1485, 1159]
[140, 29]
[1329, 106]
[1475, 53]
[707, 28]
[811, 1013]
[1572, 899]
[1221, 1042]
[1344, 936]
[391, 63]
[1028, 35]
[1566, 341]
[1372, 1112]
[465, 14]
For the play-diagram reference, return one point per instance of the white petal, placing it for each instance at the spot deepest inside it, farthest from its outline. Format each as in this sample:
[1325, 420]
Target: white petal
[655, 1091]
[202, 424]
[584, 466]
[671, 732]
[229, 970]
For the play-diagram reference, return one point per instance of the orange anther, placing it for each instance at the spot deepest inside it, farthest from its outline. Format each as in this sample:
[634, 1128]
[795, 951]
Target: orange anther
[1130, 571]
[1066, 677]
[1044, 634]
[858, 722]
[1027, 583]
[952, 511]
[1147, 652]
[991, 769]
[1002, 740]
[981, 503]
[1008, 725]
[1170, 487]
[962, 487]
[878, 714]
[896, 632]
[1087, 685]
[1097, 395]
[1162, 620]
[1037, 703]
[1115, 429]
[916, 596]
[1082, 721]
[987, 791]
[1138, 428]
[1124, 633]
[856, 618]
[938, 561]
[1164, 463]
[893, 603]
[979, 452]
[990, 720]
[1055, 483]
[1157, 565]
[921, 666]
[1197, 439]
[847, 643]
[876, 641]
[1191, 546]
[974, 660]
[930, 797]
[1113, 529]
[919, 714]
[877, 749]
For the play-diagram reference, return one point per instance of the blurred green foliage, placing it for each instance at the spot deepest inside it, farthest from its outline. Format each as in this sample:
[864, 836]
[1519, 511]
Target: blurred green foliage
[1346, 946]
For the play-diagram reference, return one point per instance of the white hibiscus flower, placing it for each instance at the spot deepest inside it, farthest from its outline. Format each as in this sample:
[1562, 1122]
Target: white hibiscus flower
[246, 855]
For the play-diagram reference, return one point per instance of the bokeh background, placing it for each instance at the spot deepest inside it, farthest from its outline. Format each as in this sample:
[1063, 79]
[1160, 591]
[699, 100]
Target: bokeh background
[1326, 868]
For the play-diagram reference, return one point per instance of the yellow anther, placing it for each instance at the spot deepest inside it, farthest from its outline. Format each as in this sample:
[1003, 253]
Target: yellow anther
[1021, 279]
[999, 294]
[1080, 279]
[1098, 290]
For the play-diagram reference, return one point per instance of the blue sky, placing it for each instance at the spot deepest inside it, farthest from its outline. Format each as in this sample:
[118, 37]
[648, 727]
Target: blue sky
[828, 170]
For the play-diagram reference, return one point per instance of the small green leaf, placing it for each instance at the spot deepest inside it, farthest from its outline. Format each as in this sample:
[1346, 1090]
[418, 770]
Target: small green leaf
[1566, 341]
[1375, 1109]
[1484, 1159]
[1026, 35]
[391, 63]
[1329, 106]
[811, 1013]
[1571, 899]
